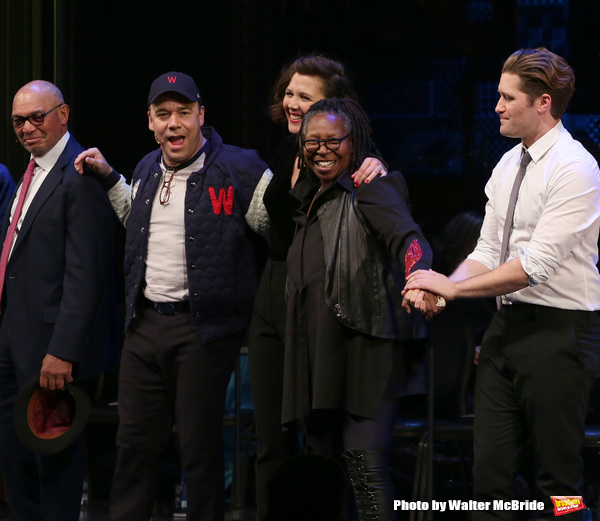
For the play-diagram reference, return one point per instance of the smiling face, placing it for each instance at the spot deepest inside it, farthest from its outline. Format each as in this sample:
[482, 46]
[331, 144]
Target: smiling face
[176, 123]
[327, 164]
[300, 94]
[519, 114]
[38, 98]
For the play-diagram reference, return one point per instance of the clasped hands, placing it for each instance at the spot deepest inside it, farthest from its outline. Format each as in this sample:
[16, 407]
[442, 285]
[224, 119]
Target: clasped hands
[423, 290]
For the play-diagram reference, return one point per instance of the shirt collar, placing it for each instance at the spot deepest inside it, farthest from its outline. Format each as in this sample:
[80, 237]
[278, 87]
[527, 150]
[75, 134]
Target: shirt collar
[545, 143]
[48, 160]
[305, 189]
[193, 164]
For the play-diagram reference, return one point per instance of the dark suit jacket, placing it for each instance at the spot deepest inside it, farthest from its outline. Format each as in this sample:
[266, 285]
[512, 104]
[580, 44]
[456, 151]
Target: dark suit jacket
[58, 276]
[7, 189]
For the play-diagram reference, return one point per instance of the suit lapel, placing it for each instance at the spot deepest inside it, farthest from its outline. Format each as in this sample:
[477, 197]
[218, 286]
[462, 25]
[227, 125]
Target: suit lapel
[53, 178]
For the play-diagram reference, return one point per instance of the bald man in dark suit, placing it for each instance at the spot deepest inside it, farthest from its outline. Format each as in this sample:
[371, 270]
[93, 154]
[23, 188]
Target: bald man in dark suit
[54, 315]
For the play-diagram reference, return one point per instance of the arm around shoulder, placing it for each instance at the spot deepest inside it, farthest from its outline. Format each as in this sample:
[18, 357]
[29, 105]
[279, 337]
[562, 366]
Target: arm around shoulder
[257, 216]
[119, 192]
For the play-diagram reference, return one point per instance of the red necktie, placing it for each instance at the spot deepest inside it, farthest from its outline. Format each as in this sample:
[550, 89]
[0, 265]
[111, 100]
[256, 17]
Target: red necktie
[8, 241]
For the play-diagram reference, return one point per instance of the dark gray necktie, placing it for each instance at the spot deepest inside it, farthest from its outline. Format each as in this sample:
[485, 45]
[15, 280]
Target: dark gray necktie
[510, 212]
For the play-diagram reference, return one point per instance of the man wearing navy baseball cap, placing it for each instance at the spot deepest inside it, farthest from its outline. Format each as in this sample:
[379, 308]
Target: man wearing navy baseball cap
[191, 265]
[174, 82]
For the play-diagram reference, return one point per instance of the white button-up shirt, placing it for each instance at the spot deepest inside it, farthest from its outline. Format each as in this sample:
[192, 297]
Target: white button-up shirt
[556, 222]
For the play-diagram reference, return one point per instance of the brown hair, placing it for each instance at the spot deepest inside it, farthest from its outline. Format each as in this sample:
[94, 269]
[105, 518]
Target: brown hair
[543, 72]
[334, 82]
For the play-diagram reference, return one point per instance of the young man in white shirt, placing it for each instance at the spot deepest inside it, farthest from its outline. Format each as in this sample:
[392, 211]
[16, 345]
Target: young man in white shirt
[542, 350]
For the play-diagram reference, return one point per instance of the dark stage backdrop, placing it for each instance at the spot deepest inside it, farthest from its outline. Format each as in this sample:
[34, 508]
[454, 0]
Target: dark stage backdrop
[426, 71]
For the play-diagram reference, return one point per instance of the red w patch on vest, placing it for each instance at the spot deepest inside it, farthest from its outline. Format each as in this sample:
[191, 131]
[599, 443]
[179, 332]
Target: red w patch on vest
[224, 201]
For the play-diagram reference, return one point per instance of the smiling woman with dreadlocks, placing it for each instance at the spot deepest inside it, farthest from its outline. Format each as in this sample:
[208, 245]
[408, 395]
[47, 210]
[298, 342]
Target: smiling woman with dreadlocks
[303, 82]
[347, 333]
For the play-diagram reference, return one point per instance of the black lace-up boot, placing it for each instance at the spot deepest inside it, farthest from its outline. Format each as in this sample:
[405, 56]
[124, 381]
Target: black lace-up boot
[371, 481]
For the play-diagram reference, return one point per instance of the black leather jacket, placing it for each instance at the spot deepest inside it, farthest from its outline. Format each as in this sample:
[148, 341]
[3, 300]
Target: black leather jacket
[367, 233]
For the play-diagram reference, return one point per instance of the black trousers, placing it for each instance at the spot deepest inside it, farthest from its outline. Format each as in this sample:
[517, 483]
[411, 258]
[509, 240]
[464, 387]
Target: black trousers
[265, 360]
[168, 376]
[329, 433]
[534, 376]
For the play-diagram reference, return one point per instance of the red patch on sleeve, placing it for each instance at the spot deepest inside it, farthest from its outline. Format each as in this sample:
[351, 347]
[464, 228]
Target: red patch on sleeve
[413, 255]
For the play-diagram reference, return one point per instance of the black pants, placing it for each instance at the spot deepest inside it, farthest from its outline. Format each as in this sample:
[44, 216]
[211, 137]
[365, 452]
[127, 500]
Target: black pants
[535, 373]
[265, 359]
[329, 433]
[168, 376]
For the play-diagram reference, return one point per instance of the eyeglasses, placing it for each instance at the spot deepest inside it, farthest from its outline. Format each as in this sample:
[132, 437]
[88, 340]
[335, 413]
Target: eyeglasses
[333, 143]
[35, 119]
[165, 191]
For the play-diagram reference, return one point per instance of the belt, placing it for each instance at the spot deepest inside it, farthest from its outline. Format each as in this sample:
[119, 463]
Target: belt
[167, 308]
[522, 311]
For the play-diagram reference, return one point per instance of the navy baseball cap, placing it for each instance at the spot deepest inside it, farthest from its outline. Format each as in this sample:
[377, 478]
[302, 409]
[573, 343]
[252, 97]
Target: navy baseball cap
[174, 82]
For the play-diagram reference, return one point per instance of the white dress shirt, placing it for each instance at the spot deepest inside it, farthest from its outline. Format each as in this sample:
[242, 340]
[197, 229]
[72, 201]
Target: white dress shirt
[556, 222]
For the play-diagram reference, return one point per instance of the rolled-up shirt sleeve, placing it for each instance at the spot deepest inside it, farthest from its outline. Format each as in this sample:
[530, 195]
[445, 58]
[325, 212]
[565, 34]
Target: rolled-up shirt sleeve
[568, 217]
